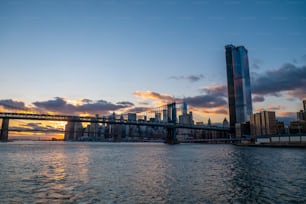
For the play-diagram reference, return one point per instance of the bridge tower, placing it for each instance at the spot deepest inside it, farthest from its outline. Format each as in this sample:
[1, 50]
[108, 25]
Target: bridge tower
[4, 130]
[171, 129]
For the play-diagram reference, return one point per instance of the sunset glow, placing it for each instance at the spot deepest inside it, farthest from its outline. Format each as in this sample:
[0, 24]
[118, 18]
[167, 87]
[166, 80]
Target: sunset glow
[125, 56]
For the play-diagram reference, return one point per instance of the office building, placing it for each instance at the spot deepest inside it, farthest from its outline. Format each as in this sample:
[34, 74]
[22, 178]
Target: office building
[184, 108]
[186, 118]
[165, 115]
[297, 127]
[264, 123]
[302, 114]
[225, 123]
[242, 129]
[132, 117]
[73, 131]
[238, 83]
[157, 117]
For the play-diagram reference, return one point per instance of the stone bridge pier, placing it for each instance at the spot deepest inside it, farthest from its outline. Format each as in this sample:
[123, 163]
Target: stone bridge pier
[4, 130]
[171, 129]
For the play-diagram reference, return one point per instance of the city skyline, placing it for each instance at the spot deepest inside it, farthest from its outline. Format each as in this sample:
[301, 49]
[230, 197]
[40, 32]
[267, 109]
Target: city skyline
[124, 56]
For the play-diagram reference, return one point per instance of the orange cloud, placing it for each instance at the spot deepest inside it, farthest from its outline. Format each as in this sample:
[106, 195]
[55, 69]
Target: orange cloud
[270, 108]
[153, 95]
[286, 114]
[44, 130]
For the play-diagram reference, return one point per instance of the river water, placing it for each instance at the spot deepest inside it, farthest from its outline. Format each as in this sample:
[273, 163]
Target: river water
[71, 172]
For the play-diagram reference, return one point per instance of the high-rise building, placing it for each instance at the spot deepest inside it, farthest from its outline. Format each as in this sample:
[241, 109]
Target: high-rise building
[165, 116]
[73, 130]
[186, 118]
[264, 123]
[184, 108]
[225, 123]
[238, 84]
[302, 114]
[132, 117]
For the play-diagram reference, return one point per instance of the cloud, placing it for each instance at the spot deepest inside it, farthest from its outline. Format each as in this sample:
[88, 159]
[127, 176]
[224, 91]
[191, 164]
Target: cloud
[286, 114]
[206, 101]
[153, 95]
[213, 99]
[270, 108]
[298, 93]
[190, 78]
[143, 103]
[257, 63]
[60, 105]
[138, 110]
[125, 103]
[288, 78]
[13, 104]
[100, 107]
[35, 127]
[303, 58]
[214, 96]
[222, 111]
[86, 100]
[257, 99]
[202, 114]
[217, 89]
[56, 105]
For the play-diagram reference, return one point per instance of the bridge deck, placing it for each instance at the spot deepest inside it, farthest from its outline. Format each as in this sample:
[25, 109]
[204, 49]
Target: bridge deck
[105, 120]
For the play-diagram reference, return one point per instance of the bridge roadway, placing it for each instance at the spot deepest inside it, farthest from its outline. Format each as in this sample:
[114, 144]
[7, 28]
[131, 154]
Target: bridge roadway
[104, 120]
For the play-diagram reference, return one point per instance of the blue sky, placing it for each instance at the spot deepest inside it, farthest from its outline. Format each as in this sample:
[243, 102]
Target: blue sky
[53, 54]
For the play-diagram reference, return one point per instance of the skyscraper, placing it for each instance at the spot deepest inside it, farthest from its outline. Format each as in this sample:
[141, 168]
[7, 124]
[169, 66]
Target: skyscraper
[238, 84]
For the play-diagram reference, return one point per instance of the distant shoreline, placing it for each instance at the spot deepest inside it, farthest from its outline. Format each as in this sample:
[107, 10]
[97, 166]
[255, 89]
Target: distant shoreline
[277, 145]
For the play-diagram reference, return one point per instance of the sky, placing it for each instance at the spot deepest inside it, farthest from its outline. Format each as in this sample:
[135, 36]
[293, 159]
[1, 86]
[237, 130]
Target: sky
[96, 57]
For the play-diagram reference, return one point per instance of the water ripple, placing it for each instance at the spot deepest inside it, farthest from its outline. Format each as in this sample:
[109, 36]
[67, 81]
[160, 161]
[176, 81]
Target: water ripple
[150, 173]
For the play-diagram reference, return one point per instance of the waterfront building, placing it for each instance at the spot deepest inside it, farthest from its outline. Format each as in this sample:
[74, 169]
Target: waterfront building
[186, 118]
[184, 108]
[165, 115]
[242, 129]
[263, 123]
[296, 127]
[92, 130]
[157, 117]
[225, 123]
[238, 84]
[209, 122]
[302, 114]
[73, 131]
[281, 127]
[132, 117]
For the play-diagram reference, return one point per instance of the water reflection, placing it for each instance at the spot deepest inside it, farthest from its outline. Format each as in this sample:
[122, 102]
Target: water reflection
[44, 172]
[149, 173]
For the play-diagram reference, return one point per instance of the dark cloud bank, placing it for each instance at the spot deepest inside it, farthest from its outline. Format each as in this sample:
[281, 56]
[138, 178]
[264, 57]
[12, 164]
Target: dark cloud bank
[289, 77]
[60, 105]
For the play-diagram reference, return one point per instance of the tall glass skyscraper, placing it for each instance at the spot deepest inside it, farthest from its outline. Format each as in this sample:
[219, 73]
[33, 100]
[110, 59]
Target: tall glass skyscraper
[238, 84]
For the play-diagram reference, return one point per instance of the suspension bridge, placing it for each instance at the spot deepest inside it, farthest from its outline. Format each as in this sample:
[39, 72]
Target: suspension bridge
[164, 116]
